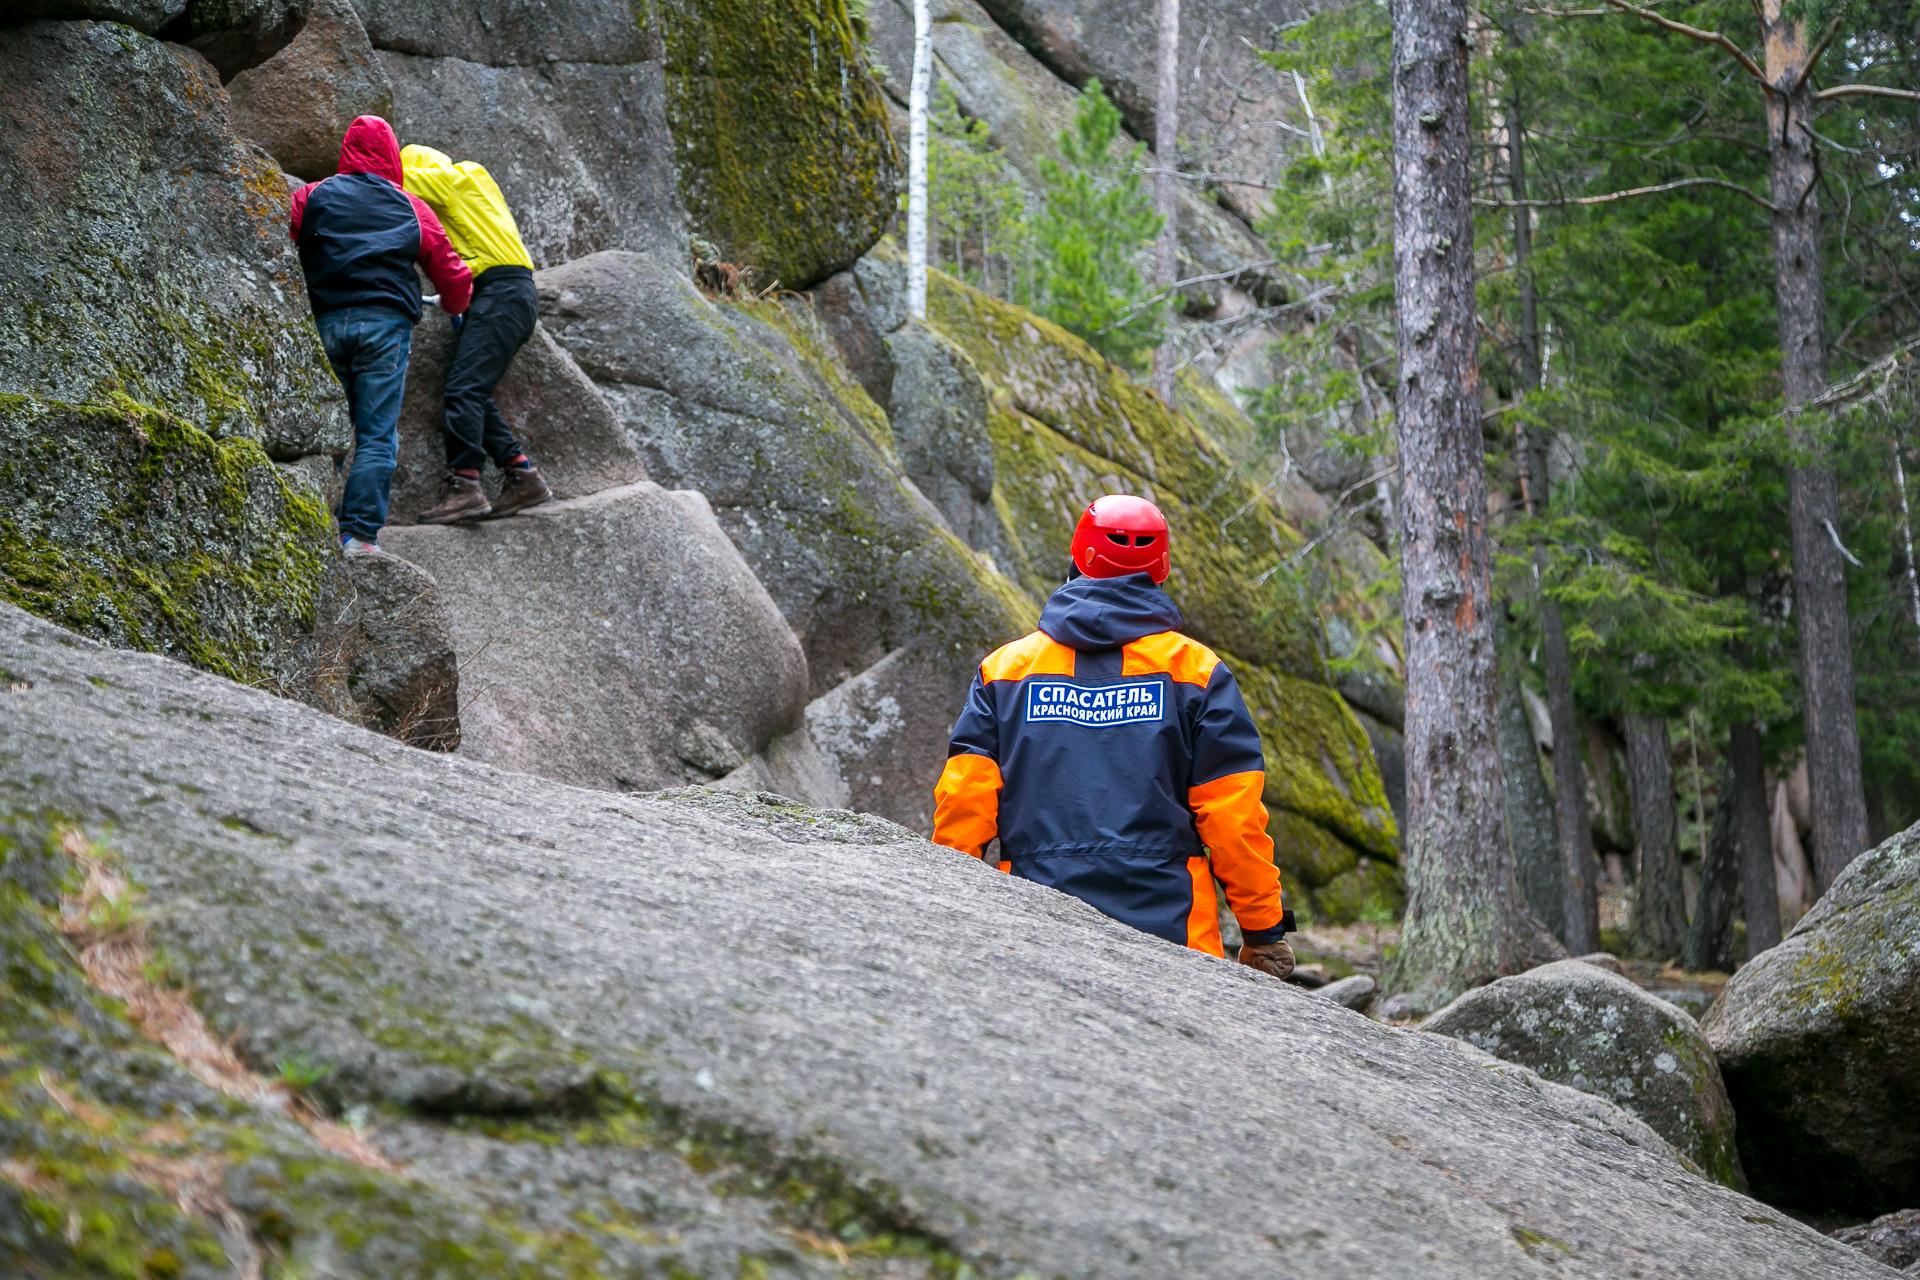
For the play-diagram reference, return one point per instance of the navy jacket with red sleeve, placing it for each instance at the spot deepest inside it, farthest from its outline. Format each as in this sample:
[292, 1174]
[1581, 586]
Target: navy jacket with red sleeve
[360, 233]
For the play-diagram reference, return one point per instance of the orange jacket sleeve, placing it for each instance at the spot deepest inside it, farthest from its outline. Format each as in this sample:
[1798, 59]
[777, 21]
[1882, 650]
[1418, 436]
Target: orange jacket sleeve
[1229, 774]
[966, 800]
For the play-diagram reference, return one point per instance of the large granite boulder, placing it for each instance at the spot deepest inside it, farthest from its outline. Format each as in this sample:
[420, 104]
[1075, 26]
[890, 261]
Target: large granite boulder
[623, 1036]
[1819, 1040]
[1579, 1025]
[613, 641]
[555, 411]
[299, 102]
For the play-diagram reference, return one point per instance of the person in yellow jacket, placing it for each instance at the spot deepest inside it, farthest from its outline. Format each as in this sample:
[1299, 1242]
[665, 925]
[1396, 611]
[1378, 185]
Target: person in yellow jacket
[498, 323]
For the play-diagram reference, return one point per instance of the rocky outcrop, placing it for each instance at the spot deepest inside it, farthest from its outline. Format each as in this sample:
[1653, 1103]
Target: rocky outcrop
[618, 1036]
[1229, 98]
[1579, 1025]
[299, 103]
[613, 641]
[155, 359]
[1819, 1040]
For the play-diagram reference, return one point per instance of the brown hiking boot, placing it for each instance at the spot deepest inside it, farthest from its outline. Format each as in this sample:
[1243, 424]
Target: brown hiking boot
[520, 488]
[461, 498]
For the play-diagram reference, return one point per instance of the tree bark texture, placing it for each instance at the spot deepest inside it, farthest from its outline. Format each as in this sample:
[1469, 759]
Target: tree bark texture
[1709, 936]
[1659, 896]
[1166, 187]
[1467, 921]
[1819, 573]
[1759, 884]
[1530, 816]
[919, 89]
[1576, 921]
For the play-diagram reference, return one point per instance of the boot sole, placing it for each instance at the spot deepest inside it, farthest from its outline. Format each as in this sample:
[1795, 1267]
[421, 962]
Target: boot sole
[458, 517]
[501, 513]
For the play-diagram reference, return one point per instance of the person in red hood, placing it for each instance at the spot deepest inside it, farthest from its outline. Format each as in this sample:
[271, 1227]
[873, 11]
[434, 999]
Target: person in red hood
[360, 236]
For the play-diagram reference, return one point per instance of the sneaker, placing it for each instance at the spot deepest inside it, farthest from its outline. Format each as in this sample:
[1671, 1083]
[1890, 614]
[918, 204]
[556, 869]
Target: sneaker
[461, 498]
[352, 546]
[520, 488]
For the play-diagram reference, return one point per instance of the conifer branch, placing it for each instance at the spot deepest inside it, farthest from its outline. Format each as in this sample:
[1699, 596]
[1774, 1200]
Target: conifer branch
[1559, 202]
[1865, 91]
[1694, 33]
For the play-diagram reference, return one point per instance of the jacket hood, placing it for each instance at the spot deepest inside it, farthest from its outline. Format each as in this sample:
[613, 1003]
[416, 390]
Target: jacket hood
[1105, 613]
[370, 147]
[414, 156]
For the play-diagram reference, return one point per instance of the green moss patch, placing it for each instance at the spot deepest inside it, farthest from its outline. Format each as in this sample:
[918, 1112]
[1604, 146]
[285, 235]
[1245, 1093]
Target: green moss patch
[135, 527]
[785, 158]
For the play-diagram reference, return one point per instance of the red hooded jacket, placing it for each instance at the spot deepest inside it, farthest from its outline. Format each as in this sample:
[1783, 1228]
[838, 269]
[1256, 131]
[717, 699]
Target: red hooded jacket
[361, 234]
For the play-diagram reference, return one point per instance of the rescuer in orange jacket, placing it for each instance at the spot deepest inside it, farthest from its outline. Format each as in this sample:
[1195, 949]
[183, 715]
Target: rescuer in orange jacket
[1114, 758]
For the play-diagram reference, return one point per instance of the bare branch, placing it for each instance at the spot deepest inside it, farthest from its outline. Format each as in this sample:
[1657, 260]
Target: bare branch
[1868, 384]
[1867, 91]
[1820, 47]
[1694, 33]
[1629, 194]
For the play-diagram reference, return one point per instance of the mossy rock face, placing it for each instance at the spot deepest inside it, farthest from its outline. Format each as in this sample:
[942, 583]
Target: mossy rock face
[1320, 764]
[136, 527]
[147, 247]
[786, 163]
[1307, 854]
[1369, 891]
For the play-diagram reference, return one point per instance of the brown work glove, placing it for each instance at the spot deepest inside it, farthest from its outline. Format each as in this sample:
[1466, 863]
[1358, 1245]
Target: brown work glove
[1275, 957]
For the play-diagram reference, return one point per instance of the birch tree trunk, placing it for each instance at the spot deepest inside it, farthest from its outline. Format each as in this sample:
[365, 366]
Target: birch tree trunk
[1819, 574]
[1759, 883]
[1166, 186]
[1906, 533]
[1579, 912]
[917, 159]
[1659, 896]
[1466, 921]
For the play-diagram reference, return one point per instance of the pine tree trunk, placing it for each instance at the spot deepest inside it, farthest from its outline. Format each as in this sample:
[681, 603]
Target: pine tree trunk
[1720, 868]
[1819, 574]
[1466, 921]
[1579, 912]
[917, 93]
[1166, 187]
[1530, 816]
[1659, 896]
[1759, 885]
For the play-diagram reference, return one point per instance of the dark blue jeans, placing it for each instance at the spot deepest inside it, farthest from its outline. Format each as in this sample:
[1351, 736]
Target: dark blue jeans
[368, 347]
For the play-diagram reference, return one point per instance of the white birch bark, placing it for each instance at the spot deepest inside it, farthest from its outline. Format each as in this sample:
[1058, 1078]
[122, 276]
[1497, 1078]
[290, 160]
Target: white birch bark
[1166, 189]
[917, 159]
[1906, 530]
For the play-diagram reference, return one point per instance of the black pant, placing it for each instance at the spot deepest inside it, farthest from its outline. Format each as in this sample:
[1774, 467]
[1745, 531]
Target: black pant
[498, 324]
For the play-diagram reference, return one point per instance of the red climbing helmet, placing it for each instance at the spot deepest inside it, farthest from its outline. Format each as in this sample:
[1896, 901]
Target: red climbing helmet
[1121, 534]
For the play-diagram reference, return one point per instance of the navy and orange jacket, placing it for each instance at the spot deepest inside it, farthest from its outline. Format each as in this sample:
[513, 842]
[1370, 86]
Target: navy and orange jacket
[360, 233]
[1115, 760]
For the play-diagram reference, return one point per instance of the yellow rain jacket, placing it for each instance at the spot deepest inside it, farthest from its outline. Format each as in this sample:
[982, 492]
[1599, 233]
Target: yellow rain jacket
[470, 206]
